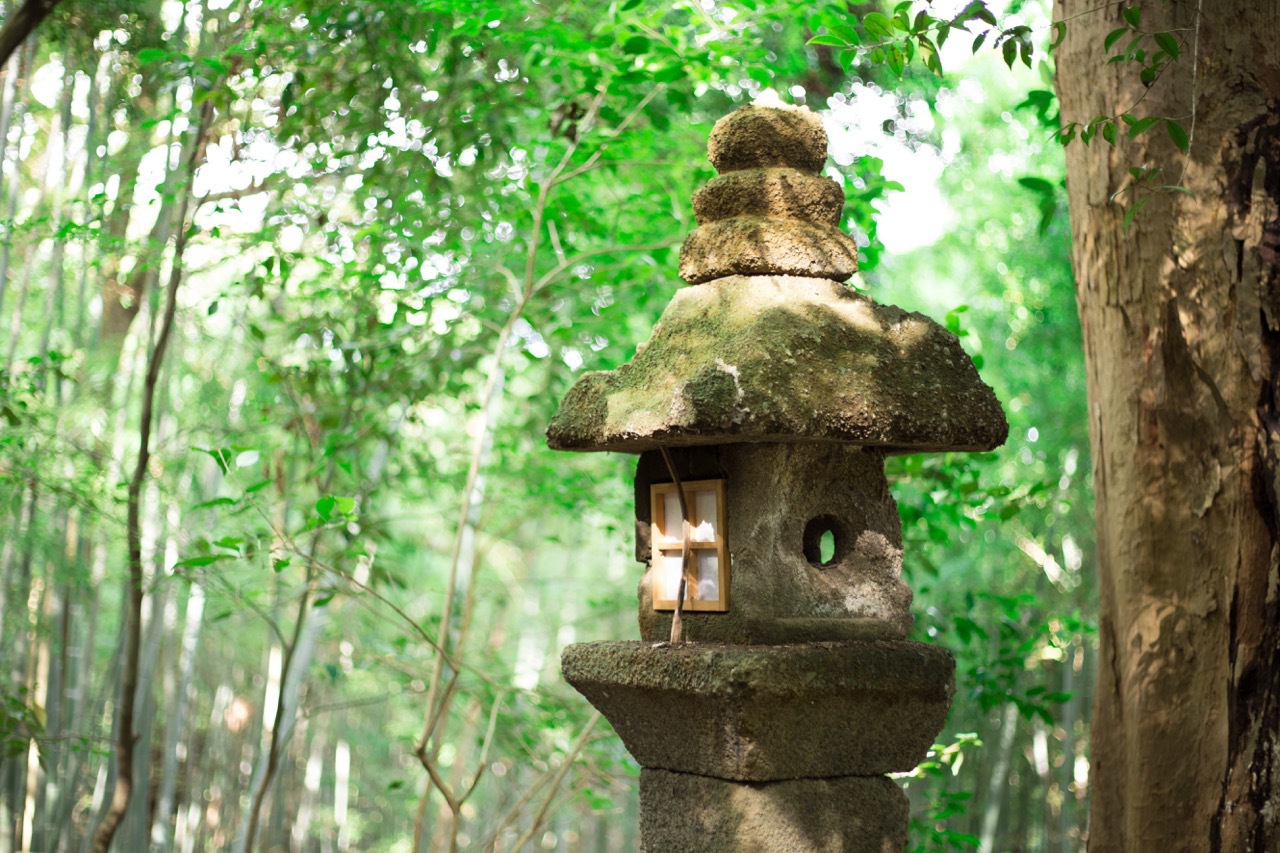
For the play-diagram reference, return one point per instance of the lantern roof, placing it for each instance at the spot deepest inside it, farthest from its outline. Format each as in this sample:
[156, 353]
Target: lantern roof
[768, 345]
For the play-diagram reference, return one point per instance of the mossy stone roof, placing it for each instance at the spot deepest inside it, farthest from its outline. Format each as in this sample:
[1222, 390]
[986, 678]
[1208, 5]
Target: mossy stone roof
[779, 359]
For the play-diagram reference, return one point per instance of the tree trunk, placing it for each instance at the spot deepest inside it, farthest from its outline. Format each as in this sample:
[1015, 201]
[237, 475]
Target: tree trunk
[1181, 321]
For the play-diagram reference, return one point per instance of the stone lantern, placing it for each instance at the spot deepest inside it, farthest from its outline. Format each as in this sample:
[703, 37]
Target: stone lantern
[772, 392]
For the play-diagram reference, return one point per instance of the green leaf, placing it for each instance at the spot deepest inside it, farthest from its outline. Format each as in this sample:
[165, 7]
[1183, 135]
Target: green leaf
[1139, 126]
[1059, 32]
[897, 60]
[1168, 44]
[877, 25]
[1132, 14]
[833, 41]
[150, 55]
[1109, 132]
[849, 34]
[206, 560]
[1036, 185]
[635, 45]
[324, 506]
[630, 4]
[1179, 135]
[219, 455]
[1010, 51]
[929, 55]
[280, 564]
[216, 502]
[977, 10]
[977, 42]
[1133, 211]
[216, 65]
[1113, 37]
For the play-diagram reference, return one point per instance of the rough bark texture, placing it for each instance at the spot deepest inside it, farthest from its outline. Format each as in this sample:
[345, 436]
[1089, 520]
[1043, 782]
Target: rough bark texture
[1181, 320]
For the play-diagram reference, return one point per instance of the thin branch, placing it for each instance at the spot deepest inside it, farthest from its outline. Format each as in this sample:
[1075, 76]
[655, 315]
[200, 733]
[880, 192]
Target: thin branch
[686, 530]
[559, 268]
[484, 749]
[569, 758]
[613, 134]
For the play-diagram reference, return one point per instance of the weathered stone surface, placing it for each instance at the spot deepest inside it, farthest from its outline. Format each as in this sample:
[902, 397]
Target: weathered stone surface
[766, 713]
[754, 137]
[684, 813]
[782, 359]
[755, 245]
[784, 193]
[776, 595]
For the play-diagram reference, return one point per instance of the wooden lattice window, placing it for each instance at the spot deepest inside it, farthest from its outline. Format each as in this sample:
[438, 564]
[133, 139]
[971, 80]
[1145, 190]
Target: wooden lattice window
[707, 586]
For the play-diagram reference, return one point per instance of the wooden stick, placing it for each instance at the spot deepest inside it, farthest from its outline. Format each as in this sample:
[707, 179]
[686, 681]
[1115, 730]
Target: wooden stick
[677, 620]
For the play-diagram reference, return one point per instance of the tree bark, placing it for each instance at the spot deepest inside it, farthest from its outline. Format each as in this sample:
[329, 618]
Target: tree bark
[1181, 321]
[22, 24]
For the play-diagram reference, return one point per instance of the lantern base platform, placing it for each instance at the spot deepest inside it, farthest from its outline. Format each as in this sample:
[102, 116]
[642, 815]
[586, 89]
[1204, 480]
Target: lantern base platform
[769, 713]
[684, 812]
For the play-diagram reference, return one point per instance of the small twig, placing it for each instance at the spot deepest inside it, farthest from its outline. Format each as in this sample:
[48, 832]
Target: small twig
[559, 268]
[555, 240]
[569, 758]
[686, 529]
[484, 750]
[1195, 64]
[591, 161]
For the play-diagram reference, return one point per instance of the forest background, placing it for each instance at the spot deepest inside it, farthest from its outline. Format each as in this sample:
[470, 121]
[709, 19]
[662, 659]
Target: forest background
[332, 263]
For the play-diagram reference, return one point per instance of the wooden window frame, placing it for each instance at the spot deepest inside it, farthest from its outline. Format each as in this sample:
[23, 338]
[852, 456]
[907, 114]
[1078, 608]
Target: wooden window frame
[660, 545]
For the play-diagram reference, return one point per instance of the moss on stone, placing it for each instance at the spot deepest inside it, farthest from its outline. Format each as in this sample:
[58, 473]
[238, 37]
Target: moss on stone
[781, 358]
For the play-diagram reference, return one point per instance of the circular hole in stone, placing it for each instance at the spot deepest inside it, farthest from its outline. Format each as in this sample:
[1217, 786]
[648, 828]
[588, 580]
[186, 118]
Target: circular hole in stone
[822, 541]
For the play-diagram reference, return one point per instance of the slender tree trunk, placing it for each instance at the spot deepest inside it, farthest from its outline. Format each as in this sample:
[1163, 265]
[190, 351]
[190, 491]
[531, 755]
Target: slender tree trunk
[14, 181]
[133, 636]
[310, 622]
[1181, 321]
[997, 793]
[162, 828]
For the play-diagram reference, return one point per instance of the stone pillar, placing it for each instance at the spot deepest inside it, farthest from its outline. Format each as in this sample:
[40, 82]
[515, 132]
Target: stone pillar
[769, 748]
[774, 726]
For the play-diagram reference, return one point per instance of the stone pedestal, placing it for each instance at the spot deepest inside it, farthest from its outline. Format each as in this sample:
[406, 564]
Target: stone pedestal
[769, 748]
[849, 814]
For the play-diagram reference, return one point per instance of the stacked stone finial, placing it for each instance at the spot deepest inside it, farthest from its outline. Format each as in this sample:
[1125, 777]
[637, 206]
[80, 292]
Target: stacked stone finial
[769, 212]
